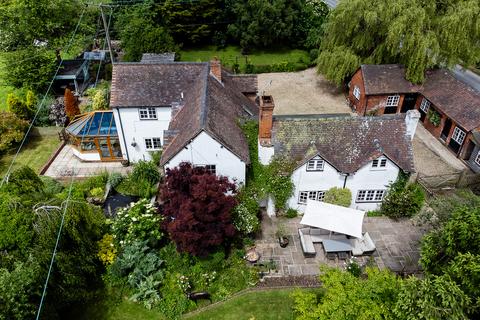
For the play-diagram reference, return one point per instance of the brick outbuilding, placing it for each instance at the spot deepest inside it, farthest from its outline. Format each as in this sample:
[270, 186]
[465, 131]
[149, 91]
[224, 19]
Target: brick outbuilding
[449, 108]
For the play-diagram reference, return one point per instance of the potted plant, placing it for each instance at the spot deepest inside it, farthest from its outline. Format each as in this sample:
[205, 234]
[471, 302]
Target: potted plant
[282, 235]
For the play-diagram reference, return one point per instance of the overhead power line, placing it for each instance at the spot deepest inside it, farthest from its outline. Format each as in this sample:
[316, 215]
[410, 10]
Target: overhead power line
[42, 102]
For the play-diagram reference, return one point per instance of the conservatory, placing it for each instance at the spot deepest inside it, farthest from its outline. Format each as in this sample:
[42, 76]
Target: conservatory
[94, 136]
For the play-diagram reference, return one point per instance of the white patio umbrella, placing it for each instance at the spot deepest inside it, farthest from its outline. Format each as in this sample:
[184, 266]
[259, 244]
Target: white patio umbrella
[333, 218]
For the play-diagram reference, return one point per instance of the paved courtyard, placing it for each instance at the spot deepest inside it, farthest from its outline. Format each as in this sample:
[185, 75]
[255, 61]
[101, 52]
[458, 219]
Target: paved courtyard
[431, 157]
[397, 245]
[66, 163]
[303, 92]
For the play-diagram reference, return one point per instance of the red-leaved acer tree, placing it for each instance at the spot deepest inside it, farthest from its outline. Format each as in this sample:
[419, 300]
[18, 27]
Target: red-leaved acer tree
[198, 209]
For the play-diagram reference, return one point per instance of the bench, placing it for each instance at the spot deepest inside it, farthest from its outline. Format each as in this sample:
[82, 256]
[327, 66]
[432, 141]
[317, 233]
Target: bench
[365, 245]
[306, 242]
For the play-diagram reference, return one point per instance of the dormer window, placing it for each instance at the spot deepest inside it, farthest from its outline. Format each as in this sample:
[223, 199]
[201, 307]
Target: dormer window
[149, 113]
[379, 163]
[315, 164]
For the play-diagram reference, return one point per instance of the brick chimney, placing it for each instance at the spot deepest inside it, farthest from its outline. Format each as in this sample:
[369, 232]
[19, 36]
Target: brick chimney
[216, 69]
[265, 120]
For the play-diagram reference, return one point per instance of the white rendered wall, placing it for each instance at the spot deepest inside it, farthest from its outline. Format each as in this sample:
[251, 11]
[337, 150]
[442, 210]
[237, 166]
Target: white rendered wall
[87, 156]
[203, 149]
[365, 178]
[368, 178]
[304, 180]
[265, 154]
[134, 128]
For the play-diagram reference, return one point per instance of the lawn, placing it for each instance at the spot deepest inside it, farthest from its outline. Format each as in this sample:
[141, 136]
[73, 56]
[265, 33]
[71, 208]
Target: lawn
[258, 305]
[122, 310]
[36, 151]
[230, 54]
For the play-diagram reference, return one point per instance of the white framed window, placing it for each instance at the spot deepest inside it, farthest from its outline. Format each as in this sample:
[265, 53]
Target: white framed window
[302, 197]
[356, 92]
[458, 135]
[477, 158]
[153, 143]
[210, 168]
[392, 101]
[379, 163]
[315, 164]
[149, 113]
[425, 105]
[370, 195]
[312, 195]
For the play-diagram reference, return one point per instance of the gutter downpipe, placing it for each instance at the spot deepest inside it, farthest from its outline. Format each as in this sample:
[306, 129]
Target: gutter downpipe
[345, 181]
[123, 135]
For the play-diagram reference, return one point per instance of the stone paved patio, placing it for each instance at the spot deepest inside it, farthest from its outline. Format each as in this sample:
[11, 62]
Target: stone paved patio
[397, 245]
[66, 163]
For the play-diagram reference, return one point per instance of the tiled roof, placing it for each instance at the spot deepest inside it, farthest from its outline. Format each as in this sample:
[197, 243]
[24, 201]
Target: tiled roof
[215, 108]
[246, 83]
[347, 143]
[148, 84]
[386, 79]
[158, 57]
[456, 99]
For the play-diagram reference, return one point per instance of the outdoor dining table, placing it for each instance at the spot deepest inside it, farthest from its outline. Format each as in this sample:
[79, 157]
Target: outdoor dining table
[337, 245]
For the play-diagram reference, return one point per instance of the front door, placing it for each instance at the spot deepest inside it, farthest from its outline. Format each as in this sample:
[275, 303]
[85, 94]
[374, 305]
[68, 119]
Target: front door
[409, 102]
[108, 148]
[446, 129]
[457, 139]
[103, 149]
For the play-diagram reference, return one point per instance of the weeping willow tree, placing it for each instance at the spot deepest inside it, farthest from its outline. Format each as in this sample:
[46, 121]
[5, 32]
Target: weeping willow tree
[419, 34]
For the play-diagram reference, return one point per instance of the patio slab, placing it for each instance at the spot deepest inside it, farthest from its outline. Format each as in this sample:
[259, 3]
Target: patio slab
[66, 164]
[397, 242]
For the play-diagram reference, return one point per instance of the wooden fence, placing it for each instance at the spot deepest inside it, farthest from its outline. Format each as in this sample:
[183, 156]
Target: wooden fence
[460, 179]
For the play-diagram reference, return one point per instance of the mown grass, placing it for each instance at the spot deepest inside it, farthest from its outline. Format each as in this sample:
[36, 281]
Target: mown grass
[36, 151]
[258, 305]
[123, 309]
[232, 54]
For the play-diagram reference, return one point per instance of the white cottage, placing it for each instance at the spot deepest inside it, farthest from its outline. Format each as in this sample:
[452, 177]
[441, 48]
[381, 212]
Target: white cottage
[190, 111]
[363, 154]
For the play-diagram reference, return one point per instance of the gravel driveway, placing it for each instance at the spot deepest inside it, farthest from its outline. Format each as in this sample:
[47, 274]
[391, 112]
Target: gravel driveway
[303, 92]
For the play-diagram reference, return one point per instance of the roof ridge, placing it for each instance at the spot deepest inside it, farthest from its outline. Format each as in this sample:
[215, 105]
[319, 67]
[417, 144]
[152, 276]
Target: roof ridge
[203, 102]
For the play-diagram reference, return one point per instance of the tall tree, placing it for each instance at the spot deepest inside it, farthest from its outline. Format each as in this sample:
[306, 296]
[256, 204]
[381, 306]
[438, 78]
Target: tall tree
[23, 21]
[458, 235]
[197, 209]
[192, 22]
[349, 297]
[432, 298]
[261, 23]
[140, 33]
[417, 33]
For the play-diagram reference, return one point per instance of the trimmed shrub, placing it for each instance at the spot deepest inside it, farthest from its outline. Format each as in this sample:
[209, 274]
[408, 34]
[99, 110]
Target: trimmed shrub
[291, 213]
[402, 200]
[339, 196]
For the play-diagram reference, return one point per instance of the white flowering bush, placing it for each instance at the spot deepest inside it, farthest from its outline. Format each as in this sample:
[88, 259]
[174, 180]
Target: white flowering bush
[140, 221]
[244, 216]
[352, 266]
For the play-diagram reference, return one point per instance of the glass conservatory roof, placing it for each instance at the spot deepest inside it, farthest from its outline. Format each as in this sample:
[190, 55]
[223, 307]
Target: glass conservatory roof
[97, 123]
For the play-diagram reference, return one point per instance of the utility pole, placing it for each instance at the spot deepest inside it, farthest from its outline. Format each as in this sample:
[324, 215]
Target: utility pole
[107, 32]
